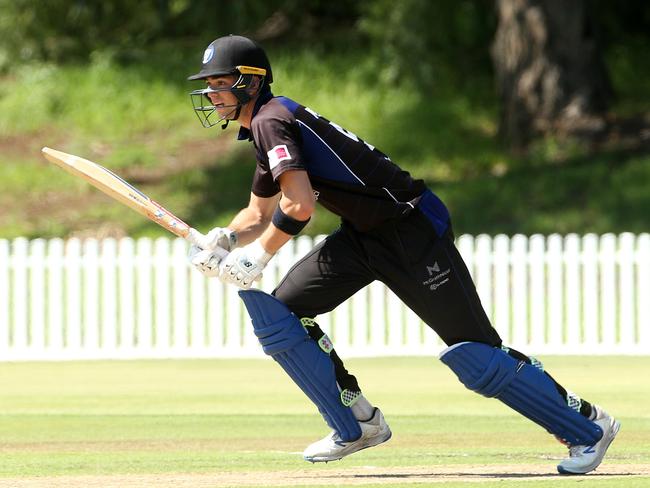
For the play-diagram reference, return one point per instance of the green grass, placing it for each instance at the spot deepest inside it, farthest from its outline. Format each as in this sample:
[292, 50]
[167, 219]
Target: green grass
[230, 416]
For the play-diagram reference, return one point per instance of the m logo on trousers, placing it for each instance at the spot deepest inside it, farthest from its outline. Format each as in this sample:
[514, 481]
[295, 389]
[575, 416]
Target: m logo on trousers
[433, 269]
[436, 278]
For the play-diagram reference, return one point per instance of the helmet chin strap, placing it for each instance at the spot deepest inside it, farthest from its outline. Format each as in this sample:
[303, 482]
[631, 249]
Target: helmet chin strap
[237, 112]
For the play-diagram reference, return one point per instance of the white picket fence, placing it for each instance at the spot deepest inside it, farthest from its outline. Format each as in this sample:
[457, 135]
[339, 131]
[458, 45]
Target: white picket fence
[118, 299]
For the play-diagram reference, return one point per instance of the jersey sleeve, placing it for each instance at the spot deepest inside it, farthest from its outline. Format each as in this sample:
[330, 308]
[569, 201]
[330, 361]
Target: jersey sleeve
[277, 139]
[263, 184]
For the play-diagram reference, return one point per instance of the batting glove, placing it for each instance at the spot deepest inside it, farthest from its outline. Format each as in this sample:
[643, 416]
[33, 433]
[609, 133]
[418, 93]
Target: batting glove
[244, 265]
[211, 249]
[206, 261]
[218, 237]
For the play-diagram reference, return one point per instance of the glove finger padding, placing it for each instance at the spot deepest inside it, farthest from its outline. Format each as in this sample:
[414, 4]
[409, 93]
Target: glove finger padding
[206, 261]
[244, 265]
[242, 272]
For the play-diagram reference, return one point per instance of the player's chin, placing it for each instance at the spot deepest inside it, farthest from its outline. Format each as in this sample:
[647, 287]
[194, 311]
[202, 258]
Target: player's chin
[224, 112]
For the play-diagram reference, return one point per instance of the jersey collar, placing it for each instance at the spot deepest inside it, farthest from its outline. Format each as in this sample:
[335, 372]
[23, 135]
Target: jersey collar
[265, 96]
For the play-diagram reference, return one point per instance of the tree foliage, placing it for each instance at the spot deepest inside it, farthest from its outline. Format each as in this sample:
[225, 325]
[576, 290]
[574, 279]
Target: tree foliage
[424, 44]
[418, 41]
[71, 30]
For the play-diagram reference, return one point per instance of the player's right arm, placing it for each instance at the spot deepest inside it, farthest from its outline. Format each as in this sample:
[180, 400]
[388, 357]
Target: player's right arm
[251, 221]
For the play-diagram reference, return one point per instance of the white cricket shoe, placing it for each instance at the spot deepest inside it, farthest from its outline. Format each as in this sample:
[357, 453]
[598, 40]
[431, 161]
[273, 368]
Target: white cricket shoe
[583, 459]
[331, 448]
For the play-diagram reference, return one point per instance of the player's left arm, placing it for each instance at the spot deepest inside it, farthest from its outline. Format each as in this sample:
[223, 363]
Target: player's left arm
[244, 265]
[297, 202]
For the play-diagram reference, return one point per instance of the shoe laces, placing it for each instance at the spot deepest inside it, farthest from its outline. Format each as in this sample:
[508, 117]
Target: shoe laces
[575, 451]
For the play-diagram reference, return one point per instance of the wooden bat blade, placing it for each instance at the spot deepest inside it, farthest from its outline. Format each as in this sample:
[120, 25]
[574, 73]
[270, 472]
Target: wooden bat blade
[117, 188]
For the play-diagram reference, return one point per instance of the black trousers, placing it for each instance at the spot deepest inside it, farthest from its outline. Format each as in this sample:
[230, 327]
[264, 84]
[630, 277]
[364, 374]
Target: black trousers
[425, 271]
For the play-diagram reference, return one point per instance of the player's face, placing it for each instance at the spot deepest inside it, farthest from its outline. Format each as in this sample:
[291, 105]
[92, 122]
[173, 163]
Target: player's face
[222, 99]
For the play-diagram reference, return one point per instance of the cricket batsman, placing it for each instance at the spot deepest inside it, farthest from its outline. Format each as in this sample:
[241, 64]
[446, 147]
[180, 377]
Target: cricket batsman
[393, 229]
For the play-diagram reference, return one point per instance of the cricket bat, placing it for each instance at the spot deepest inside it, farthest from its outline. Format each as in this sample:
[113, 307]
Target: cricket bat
[115, 187]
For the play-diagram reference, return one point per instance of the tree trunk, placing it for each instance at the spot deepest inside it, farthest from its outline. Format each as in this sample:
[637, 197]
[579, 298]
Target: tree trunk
[549, 71]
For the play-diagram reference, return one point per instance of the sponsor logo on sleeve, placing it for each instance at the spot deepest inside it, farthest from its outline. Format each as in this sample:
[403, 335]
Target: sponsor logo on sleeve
[277, 155]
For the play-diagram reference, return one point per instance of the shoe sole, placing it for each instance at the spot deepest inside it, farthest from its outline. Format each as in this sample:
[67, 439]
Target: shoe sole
[612, 435]
[337, 458]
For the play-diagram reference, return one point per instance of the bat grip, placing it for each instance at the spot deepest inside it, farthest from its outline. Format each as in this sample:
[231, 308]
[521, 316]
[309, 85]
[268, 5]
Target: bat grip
[200, 240]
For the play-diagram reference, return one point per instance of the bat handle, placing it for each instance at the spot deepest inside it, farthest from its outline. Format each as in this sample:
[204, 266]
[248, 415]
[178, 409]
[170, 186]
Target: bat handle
[200, 240]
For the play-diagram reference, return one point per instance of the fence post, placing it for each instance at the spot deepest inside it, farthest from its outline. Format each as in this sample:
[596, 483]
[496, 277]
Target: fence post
[73, 295]
[56, 318]
[501, 270]
[377, 317]
[20, 295]
[180, 296]
[216, 314]
[359, 304]
[590, 301]
[555, 290]
[626, 295]
[91, 295]
[538, 296]
[162, 303]
[5, 300]
[643, 291]
[483, 272]
[608, 290]
[519, 291]
[395, 321]
[109, 296]
[144, 297]
[37, 290]
[126, 276]
[197, 309]
[572, 294]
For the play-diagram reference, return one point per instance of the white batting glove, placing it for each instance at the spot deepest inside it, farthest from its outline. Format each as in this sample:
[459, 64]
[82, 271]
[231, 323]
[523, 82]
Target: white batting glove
[206, 261]
[244, 265]
[219, 237]
[211, 249]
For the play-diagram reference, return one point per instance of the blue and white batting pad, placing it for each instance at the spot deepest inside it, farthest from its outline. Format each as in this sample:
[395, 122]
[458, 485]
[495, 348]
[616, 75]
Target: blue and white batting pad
[523, 387]
[285, 339]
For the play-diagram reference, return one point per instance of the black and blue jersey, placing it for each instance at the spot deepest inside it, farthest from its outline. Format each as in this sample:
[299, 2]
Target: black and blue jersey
[350, 177]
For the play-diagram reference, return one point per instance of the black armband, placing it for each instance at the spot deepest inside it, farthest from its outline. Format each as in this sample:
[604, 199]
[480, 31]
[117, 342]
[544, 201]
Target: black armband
[286, 223]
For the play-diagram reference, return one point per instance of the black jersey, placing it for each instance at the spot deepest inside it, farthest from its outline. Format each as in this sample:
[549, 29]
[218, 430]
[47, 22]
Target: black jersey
[349, 176]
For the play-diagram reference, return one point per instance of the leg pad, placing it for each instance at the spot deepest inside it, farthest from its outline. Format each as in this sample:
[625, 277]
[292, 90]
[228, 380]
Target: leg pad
[284, 339]
[493, 373]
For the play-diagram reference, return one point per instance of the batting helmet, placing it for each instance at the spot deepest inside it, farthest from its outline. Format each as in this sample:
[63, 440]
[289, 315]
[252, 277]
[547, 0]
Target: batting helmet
[231, 55]
[225, 56]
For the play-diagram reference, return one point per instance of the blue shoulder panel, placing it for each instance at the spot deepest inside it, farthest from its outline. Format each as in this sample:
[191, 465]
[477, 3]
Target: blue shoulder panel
[287, 102]
[322, 161]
